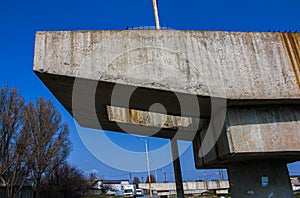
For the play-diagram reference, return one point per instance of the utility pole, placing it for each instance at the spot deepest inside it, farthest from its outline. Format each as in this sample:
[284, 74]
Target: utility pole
[148, 167]
[165, 176]
[156, 14]
[156, 177]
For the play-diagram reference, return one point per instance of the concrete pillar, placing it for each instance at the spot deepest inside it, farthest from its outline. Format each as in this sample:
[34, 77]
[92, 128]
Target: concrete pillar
[259, 178]
[177, 169]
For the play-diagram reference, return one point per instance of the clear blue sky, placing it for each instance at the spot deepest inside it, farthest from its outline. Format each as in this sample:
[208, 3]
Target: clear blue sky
[20, 19]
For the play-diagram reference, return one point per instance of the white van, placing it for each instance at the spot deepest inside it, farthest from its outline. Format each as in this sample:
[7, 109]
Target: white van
[129, 191]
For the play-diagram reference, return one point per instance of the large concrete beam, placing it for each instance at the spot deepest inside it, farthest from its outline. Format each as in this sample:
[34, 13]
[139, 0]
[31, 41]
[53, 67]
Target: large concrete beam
[269, 132]
[242, 68]
[251, 66]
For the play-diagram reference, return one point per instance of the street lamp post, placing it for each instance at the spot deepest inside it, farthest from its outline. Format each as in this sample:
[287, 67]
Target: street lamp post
[148, 165]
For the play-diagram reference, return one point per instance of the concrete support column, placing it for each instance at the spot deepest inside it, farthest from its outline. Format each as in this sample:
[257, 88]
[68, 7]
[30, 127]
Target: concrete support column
[259, 178]
[177, 169]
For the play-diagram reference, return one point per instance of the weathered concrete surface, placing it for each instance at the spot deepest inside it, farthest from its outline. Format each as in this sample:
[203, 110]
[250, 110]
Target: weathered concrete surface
[254, 133]
[260, 178]
[248, 65]
[265, 129]
[146, 118]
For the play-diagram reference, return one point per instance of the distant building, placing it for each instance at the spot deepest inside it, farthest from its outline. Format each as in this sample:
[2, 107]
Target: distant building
[97, 184]
[295, 180]
[26, 191]
[115, 185]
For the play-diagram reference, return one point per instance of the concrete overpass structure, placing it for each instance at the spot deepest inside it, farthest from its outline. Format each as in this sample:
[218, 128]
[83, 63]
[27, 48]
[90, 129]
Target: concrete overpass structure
[235, 95]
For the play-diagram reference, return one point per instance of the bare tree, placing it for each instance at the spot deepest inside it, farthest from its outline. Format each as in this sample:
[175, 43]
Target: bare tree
[13, 151]
[136, 180]
[48, 139]
[93, 175]
[66, 179]
[153, 179]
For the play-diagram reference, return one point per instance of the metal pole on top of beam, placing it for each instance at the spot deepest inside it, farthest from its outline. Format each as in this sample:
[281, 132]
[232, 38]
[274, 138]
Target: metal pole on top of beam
[154, 2]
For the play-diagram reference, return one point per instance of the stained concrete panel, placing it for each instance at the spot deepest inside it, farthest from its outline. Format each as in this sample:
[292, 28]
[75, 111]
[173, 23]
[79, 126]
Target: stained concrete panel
[265, 129]
[247, 65]
[269, 132]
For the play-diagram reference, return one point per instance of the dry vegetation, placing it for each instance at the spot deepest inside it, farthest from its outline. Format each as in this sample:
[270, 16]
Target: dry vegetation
[33, 141]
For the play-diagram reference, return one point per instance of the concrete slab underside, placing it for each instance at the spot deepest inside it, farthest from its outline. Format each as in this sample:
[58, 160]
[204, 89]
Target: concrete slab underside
[142, 99]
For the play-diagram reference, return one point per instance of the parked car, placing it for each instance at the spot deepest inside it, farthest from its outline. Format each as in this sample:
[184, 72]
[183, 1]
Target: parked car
[139, 192]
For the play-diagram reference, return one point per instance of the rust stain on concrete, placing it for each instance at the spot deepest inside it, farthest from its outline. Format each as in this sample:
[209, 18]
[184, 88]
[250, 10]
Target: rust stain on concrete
[291, 41]
[145, 118]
